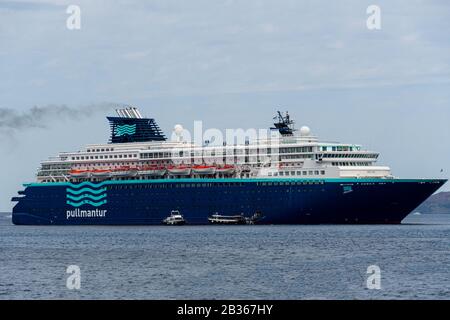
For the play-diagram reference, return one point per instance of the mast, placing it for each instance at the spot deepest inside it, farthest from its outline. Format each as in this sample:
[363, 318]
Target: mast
[284, 124]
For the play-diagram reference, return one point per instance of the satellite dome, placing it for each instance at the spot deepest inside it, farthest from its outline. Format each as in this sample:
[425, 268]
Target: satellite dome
[178, 129]
[305, 131]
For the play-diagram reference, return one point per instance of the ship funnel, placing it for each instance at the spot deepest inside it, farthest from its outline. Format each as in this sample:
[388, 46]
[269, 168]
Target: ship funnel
[130, 126]
[138, 113]
[130, 112]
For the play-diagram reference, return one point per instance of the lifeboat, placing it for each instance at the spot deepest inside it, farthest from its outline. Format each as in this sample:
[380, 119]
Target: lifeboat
[179, 170]
[226, 169]
[80, 173]
[101, 173]
[124, 172]
[204, 169]
[152, 171]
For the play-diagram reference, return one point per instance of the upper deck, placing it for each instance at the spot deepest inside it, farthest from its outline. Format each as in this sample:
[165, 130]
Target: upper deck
[302, 154]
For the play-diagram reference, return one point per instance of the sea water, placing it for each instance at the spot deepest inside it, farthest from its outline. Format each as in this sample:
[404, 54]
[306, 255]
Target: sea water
[228, 262]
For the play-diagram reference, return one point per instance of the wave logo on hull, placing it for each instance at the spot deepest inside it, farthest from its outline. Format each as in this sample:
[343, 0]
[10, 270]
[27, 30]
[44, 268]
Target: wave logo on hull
[125, 130]
[86, 193]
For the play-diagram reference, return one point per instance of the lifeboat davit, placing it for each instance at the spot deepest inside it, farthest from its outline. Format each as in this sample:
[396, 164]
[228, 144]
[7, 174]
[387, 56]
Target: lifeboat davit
[152, 171]
[80, 173]
[179, 170]
[226, 169]
[204, 169]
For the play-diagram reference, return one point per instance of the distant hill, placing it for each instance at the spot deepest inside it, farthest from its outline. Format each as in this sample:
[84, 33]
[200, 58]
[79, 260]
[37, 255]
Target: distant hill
[437, 203]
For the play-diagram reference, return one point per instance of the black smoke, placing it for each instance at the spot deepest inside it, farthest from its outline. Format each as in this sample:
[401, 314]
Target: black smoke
[42, 116]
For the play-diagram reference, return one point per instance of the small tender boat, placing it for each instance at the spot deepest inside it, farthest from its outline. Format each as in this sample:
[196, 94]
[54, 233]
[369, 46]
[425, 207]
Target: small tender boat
[204, 169]
[175, 219]
[80, 173]
[221, 219]
[256, 217]
[179, 170]
[226, 169]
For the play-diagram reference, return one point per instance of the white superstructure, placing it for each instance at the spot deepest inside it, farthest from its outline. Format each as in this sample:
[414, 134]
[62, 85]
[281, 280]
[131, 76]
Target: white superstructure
[287, 156]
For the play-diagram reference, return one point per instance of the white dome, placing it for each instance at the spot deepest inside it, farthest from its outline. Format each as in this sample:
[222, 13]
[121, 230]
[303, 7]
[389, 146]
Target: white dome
[178, 129]
[305, 131]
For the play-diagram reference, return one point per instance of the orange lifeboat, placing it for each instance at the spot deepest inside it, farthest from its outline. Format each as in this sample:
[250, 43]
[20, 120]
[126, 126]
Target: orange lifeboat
[124, 172]
[102, 173]
[226, 169]
[204, 169]
[80, 173]
[181, 170]
[152, 170]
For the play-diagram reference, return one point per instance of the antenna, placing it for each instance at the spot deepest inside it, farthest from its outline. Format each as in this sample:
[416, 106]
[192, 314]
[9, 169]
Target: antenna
[284, 125]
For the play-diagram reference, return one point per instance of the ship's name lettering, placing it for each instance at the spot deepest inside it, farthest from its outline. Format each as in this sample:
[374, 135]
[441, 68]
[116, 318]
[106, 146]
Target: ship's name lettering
[77, 213]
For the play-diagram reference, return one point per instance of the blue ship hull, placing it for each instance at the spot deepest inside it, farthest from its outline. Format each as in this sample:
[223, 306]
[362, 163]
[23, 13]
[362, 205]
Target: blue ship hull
[289, 201]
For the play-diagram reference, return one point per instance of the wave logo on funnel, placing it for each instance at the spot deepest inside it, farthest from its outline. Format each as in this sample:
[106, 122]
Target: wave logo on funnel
[86, 193]
[126, 129]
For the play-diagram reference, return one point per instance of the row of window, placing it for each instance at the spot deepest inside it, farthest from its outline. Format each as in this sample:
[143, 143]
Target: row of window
[298, 173]
[106, 156]
[156, 155]
[100, 150]
[341, 148]
[56, 166]
[356, 155]
[296, 156]
[363, 164]
[207, 185]
[296, 150]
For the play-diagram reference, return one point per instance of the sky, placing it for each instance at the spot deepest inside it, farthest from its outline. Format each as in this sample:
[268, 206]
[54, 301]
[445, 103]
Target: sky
[231, 64]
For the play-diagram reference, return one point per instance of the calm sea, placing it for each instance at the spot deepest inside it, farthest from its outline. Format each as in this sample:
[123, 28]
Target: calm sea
[227, 262]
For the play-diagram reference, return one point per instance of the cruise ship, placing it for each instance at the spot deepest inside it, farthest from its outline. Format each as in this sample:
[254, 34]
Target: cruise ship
[287, 177]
